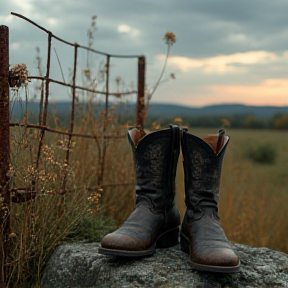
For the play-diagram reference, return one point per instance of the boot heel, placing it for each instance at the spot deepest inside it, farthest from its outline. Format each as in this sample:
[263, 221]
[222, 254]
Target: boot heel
[184, 243]
[168, 239]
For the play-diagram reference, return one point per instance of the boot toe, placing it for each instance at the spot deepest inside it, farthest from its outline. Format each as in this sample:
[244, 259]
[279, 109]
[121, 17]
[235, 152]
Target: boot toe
[217, 257]
[121, 242]
[223, 257]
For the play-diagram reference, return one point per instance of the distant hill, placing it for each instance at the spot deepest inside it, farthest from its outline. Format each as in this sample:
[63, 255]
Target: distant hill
[159, 109]
[170, 110]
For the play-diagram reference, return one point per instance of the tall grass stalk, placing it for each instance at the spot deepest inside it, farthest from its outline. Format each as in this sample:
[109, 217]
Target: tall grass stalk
[83, 211]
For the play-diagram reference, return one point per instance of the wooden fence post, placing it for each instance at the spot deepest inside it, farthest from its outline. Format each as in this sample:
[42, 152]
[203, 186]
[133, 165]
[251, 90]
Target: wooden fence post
[4, 150]
[141, 93]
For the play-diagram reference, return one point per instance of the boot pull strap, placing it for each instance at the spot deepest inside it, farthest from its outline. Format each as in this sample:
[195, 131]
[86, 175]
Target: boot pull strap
[175, 133]
[175, 147]
[220, 141]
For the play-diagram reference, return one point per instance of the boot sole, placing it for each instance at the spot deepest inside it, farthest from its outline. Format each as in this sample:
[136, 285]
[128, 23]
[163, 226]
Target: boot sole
[185, 247]
[165, 240]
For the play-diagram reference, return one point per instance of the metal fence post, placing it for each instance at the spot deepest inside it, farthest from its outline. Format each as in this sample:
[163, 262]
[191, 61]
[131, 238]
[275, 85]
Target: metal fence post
[141, 93]
[4, 149]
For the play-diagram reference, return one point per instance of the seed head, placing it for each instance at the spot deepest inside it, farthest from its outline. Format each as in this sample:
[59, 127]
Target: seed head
[12, 235]
[118, 80]
[169, 38]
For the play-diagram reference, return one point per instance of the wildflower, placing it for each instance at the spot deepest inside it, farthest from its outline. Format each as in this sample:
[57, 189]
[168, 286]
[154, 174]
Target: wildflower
[12, 235]
[225, 122]
[118, 80]
[148, 95]
[178, 120]
[11, 171]
[94, 18]
[87, 73]
[169, 38]
[155, 126]
[18, 76]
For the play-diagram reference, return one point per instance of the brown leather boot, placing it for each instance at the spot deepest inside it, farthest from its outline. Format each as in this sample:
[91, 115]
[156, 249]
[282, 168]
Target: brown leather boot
[202, 236]
[155, 220]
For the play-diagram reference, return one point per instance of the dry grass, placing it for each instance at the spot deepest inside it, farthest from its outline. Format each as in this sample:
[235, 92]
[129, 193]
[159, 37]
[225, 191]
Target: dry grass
[73, 198]
[253, 197]
[76, 213]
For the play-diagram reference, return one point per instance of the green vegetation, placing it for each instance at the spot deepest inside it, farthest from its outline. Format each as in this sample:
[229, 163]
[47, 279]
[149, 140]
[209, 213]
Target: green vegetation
[262, 153]
[229, 116]
[235, 121]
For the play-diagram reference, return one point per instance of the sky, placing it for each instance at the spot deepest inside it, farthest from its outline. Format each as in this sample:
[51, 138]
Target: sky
[226, 51]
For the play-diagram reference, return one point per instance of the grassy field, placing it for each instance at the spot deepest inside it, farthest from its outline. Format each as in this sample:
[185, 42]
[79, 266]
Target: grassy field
[253, 196]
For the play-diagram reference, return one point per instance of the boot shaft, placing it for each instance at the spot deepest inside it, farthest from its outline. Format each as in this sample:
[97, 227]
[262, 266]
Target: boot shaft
[202, 236]
[202, 166]
[155, 158]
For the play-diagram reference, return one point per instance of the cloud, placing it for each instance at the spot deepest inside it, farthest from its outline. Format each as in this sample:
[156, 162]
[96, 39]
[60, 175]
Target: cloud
[268, 92]
[52, 21]
[15, 45]
[24, 7]
[213, 38]
[237, 37]
[237, 62]
[123, 28]
[5, 20]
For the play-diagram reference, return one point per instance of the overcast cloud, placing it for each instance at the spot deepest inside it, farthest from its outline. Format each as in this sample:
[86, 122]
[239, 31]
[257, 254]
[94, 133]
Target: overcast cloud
[227, 51]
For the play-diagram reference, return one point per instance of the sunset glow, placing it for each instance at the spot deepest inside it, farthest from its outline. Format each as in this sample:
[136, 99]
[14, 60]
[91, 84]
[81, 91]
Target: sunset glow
[225, 63]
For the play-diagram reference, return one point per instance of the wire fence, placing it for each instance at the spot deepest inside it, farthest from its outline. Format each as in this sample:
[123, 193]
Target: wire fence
[8, 79]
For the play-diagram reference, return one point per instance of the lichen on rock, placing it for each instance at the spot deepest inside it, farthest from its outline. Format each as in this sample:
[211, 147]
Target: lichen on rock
[79, 265]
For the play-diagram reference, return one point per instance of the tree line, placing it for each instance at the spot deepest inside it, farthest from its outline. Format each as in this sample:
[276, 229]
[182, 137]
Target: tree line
[237, 121]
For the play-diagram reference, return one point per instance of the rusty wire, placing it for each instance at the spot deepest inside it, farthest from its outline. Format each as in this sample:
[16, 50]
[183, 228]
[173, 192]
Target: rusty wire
[73, 44]
[46, 80]
[18, 195]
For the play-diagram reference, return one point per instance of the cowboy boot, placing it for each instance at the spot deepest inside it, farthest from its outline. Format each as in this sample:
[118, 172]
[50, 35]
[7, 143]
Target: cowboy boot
[155, 221]
[202, 236]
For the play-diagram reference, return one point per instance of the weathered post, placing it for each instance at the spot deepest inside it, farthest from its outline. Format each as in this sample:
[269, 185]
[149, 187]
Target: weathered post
[4, 149]
[141, 93]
